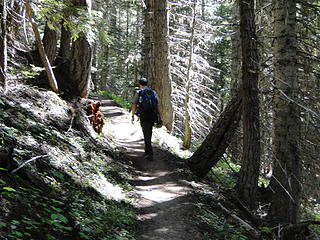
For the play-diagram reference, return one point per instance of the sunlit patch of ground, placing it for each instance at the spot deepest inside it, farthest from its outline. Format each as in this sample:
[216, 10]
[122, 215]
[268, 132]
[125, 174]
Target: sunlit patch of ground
[165, 207]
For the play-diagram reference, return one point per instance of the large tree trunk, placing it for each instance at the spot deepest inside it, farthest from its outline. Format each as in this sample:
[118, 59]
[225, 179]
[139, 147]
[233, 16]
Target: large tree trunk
[80, 66]
[81, 60]
[149, 43]
[235, 148]
[49, 41]
[215, 144]
[236, 58]
[62, 61]
[249, 173]
[44, 58]
[65, 43]
[3, 44]
[64, 49]
[162, 63]
[287, 164]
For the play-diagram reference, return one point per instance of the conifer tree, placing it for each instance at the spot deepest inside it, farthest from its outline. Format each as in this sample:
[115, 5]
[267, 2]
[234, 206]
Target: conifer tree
[287, 164]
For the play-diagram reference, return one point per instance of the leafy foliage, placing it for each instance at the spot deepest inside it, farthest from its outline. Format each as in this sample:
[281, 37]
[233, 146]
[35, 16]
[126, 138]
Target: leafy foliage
[224, 173]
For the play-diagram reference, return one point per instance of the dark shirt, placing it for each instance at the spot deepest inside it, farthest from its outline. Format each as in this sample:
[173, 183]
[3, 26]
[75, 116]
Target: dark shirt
[135, 99]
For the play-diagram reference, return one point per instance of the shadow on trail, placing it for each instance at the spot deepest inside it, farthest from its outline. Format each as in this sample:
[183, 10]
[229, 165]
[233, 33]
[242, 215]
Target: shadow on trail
[166, 209]
[169, 220]
[164, 200]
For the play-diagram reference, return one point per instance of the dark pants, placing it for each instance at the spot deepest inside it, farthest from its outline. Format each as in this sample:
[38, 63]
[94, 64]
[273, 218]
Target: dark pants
[147, 134]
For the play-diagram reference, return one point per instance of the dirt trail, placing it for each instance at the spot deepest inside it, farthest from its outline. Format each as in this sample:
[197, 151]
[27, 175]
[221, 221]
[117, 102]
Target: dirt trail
[165, 203]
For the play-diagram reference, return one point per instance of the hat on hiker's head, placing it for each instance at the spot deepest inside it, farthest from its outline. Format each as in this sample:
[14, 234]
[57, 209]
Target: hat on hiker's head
[143, 81]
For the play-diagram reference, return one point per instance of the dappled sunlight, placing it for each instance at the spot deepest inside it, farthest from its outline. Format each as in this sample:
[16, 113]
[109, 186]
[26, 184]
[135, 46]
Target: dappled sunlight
[122, 129]
[107, 189]
[157, 174]
[162, 198]
[146, 178]
[159, 193]
[164, 138]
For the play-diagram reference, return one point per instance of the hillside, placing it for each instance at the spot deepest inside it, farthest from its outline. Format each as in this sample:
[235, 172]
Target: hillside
[64, 181]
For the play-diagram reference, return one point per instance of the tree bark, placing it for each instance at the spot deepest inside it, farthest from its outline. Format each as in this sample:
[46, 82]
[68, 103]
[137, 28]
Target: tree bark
[249, 173]
[49, 41]
[235, 148]
[45, 61]
[64, 49]
[149, 43]
[287, 162]
[3, 44]
[81, 60]
[215, 144]
[187, 131]
[80, 66]
[236, 58]
[162, 62]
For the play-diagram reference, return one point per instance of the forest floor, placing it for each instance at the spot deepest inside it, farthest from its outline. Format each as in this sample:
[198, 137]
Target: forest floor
[61, 180]
[165, 202]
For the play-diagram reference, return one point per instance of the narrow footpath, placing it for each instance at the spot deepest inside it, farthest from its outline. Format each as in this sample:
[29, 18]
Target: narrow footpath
[166, 210]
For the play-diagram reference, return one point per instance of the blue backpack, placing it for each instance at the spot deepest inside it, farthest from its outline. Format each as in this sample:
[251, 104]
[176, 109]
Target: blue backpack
[147, 104]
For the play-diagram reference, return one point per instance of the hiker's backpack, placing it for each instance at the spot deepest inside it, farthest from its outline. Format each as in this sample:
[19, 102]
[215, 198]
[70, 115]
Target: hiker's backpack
[147, 105]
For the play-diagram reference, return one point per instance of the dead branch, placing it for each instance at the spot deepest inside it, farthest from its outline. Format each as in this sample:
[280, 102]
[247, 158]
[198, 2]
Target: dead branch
[242, 222]
[28, 161]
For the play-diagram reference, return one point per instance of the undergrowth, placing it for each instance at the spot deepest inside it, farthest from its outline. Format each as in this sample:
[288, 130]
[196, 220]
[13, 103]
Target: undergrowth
[216, 225]
[224, 173]
[69, 211]
[78, 189]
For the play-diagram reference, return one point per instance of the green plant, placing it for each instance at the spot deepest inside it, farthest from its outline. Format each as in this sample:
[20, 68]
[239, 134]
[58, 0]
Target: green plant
[10, 192]
[266, 229]
[2, 224]
[221, 228]
[125, 104]
[224, 173]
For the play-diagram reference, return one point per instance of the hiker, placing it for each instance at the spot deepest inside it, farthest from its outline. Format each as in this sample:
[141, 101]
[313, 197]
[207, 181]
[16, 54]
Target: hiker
[146, 102]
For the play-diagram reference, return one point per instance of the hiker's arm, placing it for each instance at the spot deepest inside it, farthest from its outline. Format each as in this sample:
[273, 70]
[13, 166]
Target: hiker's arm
[133, 110]
[158, 108]
[134, 104]
[159, 114]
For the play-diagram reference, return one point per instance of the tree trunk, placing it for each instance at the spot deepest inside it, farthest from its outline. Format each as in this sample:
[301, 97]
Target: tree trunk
[127, 39]
[236, 59]
[81, 60]
[162, 63]
[249, 173]
[64, 49]
[105, 73]
[3, 44]
[187, 131]
[104, 63]
[49, 41]
[287, 163]
[149, 43]
[80, 66]
[45, 61]
[215, 144]
[235, 148]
